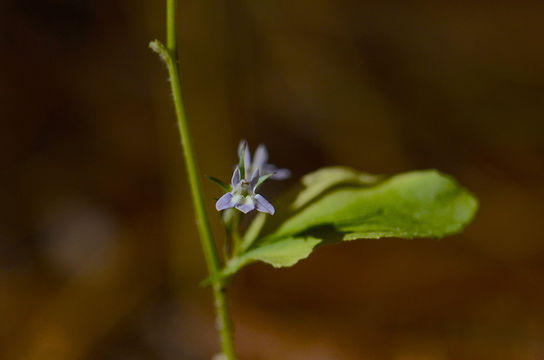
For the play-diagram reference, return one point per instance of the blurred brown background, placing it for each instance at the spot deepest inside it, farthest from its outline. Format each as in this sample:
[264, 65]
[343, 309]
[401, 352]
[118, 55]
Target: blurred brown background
[98, 251]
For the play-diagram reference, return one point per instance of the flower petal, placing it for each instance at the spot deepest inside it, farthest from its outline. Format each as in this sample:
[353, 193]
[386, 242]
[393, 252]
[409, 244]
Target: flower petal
[243, 150]
[246, 206]
[241, 147]
[254, 180]
[281, 174]
[235, 178]
[260, 158]
[224, 202]
[247, 160]
[263, 205]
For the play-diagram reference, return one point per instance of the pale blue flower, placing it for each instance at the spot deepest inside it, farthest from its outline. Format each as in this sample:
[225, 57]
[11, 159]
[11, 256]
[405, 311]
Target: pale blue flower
[243, 196]
[260, 163]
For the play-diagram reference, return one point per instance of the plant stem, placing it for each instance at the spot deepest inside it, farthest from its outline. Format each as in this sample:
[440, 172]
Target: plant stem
[235, 232]
[170, 56]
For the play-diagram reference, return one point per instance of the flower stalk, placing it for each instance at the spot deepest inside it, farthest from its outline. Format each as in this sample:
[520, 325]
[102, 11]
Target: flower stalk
[169, 54]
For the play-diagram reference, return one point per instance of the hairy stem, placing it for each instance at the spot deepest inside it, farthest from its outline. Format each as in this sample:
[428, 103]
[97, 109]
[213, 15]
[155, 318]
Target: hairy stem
[170, 56]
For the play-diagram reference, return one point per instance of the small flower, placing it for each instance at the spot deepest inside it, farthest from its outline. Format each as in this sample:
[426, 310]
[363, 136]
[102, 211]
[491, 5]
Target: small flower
[260, 162]
[243, 196]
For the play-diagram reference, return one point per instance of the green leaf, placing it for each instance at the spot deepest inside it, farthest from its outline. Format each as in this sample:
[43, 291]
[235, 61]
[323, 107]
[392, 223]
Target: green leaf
[309, 188]
[262, 179]
[319, 181]
[278, 254]
[414, 204]
[223, 185]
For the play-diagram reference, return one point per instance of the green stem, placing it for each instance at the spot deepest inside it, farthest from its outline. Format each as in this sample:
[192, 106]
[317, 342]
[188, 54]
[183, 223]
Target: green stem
[172, 27]
[237, 239]
[170, 56]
